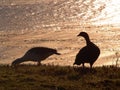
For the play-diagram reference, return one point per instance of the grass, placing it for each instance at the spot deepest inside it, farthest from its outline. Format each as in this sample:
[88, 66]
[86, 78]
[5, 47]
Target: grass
[31, 77]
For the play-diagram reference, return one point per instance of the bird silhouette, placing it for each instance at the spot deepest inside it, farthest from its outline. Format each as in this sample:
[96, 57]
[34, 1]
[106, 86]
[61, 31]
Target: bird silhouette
[87, 54]
[36, 54]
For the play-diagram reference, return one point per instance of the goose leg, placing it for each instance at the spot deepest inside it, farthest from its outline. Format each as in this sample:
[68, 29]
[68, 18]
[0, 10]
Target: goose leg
[39, 63]
[91, 65]
[83, 65]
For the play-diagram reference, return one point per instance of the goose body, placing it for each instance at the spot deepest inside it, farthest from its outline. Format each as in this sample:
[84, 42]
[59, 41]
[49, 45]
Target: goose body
[36, 54]
[87, 54]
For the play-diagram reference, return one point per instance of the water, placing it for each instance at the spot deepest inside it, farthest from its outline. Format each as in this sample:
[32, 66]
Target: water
[34, 16]
[110, 14]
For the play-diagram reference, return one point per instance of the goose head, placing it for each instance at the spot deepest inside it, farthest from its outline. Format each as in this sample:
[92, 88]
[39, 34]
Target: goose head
[83, 34]
[86, 36]
[55, 52]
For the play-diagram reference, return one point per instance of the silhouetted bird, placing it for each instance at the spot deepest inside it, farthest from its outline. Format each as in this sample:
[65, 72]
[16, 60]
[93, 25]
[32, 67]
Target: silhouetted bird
[87, 54]
[36, 54]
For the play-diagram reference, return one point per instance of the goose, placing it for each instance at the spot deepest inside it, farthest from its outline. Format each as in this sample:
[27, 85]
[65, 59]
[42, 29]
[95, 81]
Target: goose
[36, 54]
[89, 53]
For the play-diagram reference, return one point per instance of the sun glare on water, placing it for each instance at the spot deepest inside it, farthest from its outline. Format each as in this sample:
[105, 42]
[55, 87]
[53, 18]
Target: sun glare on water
[110, 14]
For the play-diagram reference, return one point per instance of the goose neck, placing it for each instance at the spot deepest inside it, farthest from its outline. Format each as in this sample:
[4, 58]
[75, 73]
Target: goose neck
[87, 40]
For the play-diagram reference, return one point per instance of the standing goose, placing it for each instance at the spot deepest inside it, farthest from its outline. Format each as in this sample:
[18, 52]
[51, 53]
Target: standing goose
[36, 54]
[87, 54]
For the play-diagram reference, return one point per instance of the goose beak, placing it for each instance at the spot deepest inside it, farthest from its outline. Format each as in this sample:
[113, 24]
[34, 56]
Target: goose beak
[78, 35]
[58, 53]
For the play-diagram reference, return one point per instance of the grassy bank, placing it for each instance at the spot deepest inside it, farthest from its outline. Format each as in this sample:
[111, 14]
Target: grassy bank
[29, 77]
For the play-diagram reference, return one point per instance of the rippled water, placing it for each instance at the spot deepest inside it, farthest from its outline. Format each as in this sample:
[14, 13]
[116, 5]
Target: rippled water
[15, 16]
[110, 14]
